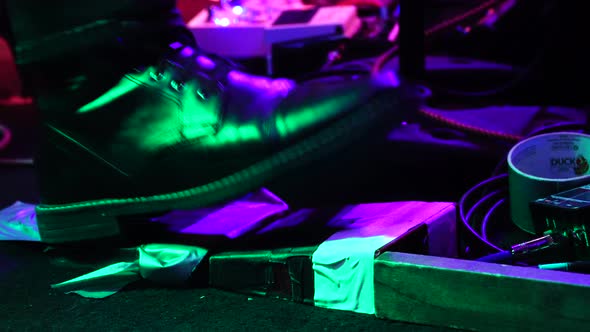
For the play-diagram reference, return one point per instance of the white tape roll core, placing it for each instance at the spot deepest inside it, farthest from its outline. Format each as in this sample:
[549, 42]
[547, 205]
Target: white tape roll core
[544, 165]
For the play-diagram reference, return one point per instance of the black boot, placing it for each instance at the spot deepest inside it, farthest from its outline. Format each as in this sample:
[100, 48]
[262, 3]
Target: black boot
[136, 120]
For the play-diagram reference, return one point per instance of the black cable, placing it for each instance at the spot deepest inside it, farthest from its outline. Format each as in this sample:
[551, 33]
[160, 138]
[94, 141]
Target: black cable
[577, 266]
[504, 256]
[472, 190]
[479, 203]
[467, 211]
[446, 24]
[528, 250]
[331, 73]
[558, 126]
[487, 217]
[485, 199]
[488, 195]
[521, 77]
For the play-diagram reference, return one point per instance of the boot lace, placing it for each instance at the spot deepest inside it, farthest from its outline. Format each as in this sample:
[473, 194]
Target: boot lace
[189, 63]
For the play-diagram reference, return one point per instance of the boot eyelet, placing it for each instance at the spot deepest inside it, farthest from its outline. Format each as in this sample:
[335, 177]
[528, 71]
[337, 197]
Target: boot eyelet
[220, 86]
[176, 85]
[203, 94]
[156, 76]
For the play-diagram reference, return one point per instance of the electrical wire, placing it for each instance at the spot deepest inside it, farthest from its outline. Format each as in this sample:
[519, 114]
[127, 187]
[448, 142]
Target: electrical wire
[522, 76]
[430, 112]
[488, 205]
[491, 184]
[434, 114]
[558, 126]
[466, 211]
[331, 73]
[503, 256]
[488, 216]
[480, 206]
[383, 59]
[532, 249]
[389, 54]
[350, 68]
[479, 203]
[462, 17]
[496, 198]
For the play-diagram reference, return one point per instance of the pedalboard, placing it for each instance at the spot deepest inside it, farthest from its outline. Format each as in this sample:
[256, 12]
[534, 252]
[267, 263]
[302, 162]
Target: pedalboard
[233, 33]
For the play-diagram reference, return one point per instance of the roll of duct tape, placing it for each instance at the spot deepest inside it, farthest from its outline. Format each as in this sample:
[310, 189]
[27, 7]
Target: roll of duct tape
[544, 165]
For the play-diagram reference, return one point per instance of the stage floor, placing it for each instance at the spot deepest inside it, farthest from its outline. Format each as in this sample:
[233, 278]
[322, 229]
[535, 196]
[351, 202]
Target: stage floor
[29, 304]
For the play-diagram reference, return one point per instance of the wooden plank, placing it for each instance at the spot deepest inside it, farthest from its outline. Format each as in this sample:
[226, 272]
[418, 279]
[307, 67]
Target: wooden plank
[480, 296]
[287, 272]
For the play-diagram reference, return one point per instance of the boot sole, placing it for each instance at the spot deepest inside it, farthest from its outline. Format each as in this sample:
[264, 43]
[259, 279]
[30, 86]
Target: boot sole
[98, 219]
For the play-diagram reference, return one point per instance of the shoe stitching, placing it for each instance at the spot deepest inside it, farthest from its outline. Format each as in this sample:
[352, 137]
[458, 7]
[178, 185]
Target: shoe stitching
[290, 153]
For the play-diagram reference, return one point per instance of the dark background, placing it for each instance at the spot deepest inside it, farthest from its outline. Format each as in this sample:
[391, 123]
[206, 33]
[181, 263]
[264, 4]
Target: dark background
[547, 38]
